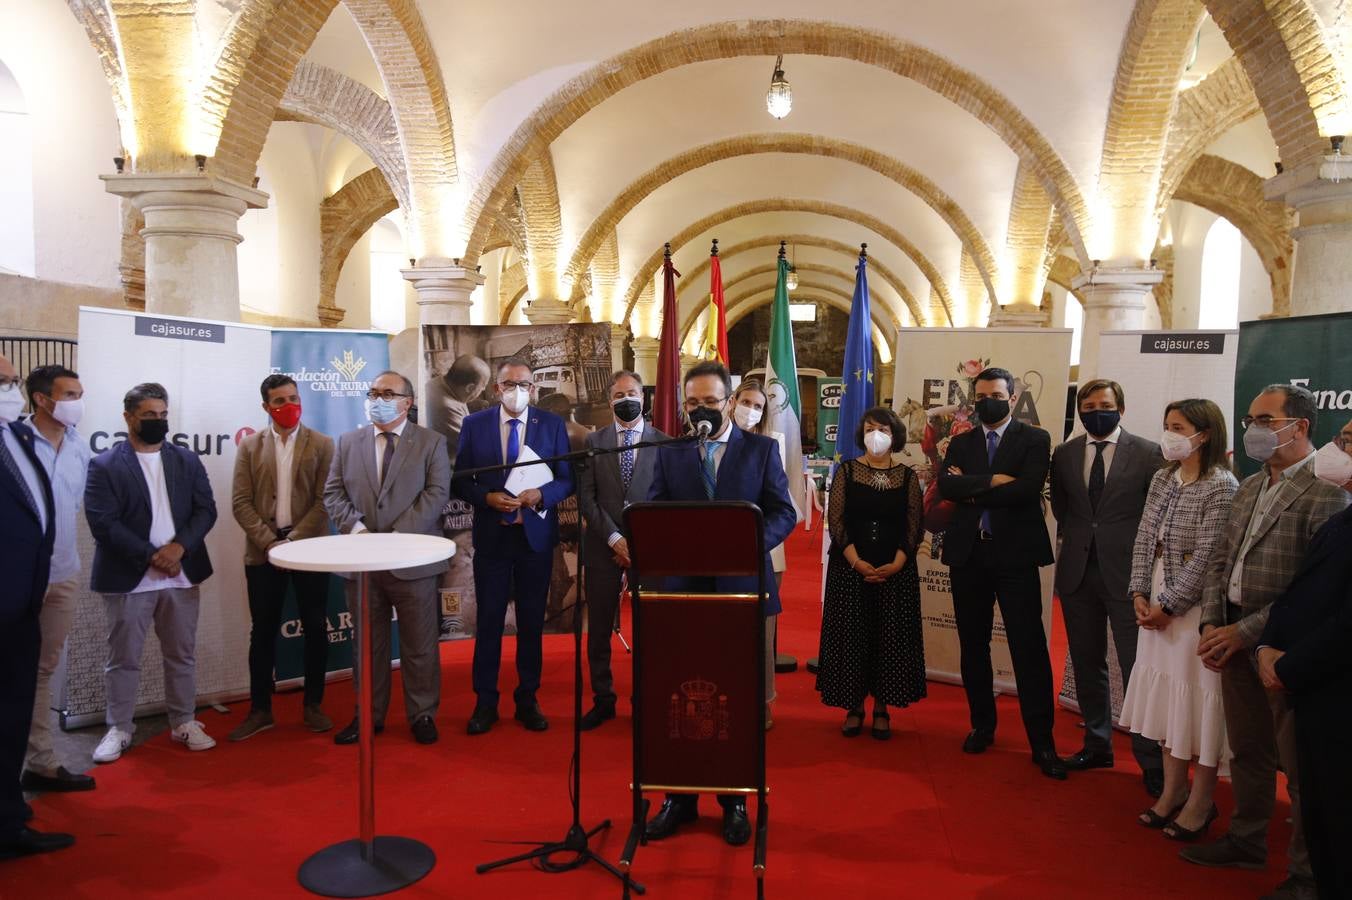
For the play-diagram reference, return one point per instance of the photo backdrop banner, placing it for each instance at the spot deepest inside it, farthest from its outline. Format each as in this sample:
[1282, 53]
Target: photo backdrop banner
[212, 371]
[936, 369]
[571, 365]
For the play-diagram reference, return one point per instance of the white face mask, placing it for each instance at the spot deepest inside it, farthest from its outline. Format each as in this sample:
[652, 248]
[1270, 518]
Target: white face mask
[516, 400]
[1333, 465]
[878, 442]
[746, 417]
[69, 412]
[11, 404]
[1175, 446]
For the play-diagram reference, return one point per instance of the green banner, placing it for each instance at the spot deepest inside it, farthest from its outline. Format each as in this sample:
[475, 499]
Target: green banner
[1310, 351]
[828, 414]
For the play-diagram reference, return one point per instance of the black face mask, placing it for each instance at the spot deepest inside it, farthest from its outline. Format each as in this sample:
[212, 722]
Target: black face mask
[705, 414]
[627, 410]
[992, 410]
[152, 431]
[1100, 422]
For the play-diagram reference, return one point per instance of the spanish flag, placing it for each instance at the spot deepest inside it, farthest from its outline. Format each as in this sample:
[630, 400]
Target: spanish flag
[715, 344]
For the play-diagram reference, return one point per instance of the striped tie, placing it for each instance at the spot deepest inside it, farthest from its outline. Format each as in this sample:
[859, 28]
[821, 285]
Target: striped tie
[709, 470]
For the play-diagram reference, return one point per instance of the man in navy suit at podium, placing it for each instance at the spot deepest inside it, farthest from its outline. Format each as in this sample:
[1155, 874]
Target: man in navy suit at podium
[730, 464]
[513, 542]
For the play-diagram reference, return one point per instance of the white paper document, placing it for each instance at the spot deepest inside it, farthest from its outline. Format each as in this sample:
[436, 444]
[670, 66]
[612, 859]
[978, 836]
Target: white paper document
[526, 477]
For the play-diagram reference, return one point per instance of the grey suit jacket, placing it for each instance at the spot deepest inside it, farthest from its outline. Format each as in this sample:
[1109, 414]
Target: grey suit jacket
[600, 489]
[1111, 528]
[411, 499]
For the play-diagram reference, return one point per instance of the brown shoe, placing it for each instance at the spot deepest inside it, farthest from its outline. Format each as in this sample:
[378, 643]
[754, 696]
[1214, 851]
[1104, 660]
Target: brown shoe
[315, 720]
[257, 720]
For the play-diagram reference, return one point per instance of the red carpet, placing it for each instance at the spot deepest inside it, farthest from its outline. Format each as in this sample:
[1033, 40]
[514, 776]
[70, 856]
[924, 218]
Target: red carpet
[850, 818]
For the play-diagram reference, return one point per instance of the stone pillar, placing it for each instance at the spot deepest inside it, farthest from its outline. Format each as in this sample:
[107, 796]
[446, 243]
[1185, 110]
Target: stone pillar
[443, 292]
[619, 334]
[645, 358]
[688, 360]
[1019, 315]
[1114, 300]
[1321, 276]
[191, 234]
[548, 311]
[883, 380]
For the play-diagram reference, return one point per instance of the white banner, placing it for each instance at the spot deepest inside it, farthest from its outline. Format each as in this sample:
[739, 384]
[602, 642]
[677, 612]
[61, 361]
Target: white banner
[936, 368]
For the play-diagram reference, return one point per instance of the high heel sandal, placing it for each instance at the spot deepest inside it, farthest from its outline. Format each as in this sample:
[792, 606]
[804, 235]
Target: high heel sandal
[1175, 832]
[1151, 819]
[881, 734]
[853, 730]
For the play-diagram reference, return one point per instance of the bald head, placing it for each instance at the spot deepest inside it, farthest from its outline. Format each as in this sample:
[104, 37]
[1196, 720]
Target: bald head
[467, 377]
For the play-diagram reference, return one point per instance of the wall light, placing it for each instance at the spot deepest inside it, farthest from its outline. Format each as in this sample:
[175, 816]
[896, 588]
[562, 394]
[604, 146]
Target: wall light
[201, 162]
[119, 163]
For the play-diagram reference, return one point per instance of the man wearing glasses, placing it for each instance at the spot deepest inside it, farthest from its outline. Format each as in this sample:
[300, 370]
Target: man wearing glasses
[394, 476]
[515, 532]
[1275, 514]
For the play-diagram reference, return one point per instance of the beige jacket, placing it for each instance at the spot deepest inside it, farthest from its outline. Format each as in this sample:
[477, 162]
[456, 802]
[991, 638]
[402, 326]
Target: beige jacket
[254, 497]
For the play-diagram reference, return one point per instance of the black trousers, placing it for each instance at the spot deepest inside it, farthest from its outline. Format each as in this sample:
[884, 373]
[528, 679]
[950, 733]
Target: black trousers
[511, 571]
[267, 592]
[977, 586]
[603, 599]
[1323, 748]
[20, 646]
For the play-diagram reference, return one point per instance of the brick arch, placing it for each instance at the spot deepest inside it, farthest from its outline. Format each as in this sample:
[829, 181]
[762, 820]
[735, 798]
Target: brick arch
[343, 219]
[885, 274]
[1210, 108]
[780, 204]
[321, 96]
[811, 144]
[1233, 192]
[838, 299]
[881, 314]
[1030, 216]
[541, 226]
[97, 21]
[768, 37]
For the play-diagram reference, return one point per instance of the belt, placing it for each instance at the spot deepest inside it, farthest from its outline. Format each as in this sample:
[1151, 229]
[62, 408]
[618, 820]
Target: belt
[283, 533]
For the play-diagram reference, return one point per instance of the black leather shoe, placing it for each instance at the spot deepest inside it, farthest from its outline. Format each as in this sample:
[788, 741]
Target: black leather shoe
[531, 717]
[1153, 779]
[736, 826]
[350, 734]
[481, 720]
[29, 842]
[672, 815]
[1089, 759]
[1051, 765]
[977, 741]
[424, 730]
[596, 715]
[63, 781]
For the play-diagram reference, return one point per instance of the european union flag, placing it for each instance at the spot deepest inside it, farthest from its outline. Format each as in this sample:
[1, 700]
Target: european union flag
[856, 374]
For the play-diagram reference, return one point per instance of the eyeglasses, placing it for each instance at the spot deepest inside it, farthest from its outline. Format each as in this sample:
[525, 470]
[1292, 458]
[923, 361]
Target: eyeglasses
[1342, 443]
[1264, 421]
[9, 384]
[512, 385]
[384, 395]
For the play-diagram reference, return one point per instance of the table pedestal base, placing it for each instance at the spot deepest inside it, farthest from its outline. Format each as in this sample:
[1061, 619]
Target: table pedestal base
[341, 870]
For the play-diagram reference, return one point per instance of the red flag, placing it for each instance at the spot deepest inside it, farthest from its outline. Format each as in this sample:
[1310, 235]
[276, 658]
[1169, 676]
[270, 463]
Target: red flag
[718, 316]
[667, 395]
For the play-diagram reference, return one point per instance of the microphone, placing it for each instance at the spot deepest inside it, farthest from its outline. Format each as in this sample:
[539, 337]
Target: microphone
[703, 429]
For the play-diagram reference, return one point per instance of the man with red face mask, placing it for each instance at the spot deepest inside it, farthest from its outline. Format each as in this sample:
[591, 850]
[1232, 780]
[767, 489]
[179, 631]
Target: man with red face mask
[279, 496]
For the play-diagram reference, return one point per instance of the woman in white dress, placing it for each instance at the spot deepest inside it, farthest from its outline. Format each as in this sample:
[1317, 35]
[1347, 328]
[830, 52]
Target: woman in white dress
[1172, 697]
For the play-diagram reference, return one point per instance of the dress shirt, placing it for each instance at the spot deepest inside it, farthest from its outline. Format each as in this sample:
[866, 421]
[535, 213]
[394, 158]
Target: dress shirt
[504, 430]
[1235, 592]
[620, 429]
[398, 431]
[30, 474]
[721, 447]
[162, 528]
[67, 468]
[1110, 446]
[284, 451]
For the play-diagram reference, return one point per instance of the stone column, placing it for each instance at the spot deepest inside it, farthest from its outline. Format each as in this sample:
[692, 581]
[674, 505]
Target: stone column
[645, 358]
[619, 334]
[1114, 300]
[548, 311]
[443, 291]
[883, 380]
[191, 234]
[1321, 275]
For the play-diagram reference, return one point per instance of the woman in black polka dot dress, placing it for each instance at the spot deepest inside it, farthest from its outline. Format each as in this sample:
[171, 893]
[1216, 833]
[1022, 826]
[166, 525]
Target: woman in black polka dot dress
[871, 642]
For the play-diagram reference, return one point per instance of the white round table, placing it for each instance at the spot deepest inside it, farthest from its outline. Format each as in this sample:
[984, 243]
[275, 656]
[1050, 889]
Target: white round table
[370, 864]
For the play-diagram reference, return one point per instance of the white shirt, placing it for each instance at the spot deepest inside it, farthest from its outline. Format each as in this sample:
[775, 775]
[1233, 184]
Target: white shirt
[162, 528]
[986, 430]
[504, 430]
[1235, 589]
[1109, 447]
[398, 432]
[720, 447]
[284, 452]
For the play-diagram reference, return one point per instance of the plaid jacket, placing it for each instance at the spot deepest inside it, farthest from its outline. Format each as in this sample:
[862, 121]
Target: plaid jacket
[1193, 517]
[1303, 503]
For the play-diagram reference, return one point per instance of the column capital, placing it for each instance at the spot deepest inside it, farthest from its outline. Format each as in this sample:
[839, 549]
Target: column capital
[1120, 287]
[150, 189]
[548, 311]
[1019, 315]
[443, 292]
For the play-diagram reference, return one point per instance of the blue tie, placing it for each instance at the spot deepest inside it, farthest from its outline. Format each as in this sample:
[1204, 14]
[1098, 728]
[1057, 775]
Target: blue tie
[513, 451]
[992, 441]
[709, 470]
[627, 459]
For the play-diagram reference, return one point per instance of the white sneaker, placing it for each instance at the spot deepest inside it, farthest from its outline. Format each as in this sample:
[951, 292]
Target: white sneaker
[111, 747]
[191, 734]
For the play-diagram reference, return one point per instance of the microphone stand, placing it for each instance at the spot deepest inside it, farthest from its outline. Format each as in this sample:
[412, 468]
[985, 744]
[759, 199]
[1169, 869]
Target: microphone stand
[576, 841]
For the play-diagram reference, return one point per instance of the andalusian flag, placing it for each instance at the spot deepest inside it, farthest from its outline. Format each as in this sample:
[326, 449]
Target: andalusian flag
[856, 373]
[785, 414]
[716, 330]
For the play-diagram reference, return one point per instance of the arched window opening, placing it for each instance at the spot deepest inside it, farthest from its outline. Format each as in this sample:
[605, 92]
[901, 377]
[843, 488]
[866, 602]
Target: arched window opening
[1219, 304]
[1074, 320]
[388, 257]
[17, 254]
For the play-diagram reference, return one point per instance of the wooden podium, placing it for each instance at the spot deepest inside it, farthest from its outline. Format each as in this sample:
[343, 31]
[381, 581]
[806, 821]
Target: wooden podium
[699, 672]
